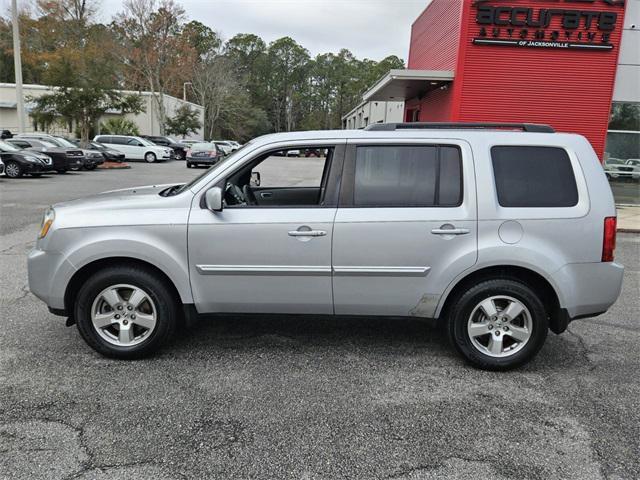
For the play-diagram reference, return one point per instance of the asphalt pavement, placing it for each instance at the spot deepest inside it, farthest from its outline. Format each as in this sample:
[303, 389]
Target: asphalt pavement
[302, 397]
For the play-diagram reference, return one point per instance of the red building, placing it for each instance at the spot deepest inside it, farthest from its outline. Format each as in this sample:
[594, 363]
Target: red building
[535, 61]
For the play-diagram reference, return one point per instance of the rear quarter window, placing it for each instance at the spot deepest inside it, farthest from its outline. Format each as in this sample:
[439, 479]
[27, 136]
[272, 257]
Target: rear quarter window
[531, 176]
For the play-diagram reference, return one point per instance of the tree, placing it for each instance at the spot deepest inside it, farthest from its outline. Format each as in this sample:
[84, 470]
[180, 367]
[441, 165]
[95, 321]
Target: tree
[119, 126]
[155, 53]
[286, 77]
[84, 106]
[203, 39]
[625, 116]
[185, 121]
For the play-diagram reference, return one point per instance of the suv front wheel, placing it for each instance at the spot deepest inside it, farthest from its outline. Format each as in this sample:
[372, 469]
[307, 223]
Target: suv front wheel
[124, 312]
[498, 324]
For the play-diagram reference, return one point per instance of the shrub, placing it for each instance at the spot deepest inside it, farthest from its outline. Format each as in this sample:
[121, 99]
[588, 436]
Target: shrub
[119, 126]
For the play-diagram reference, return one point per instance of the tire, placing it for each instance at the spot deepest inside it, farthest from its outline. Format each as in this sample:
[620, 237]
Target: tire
[506, 344]
[158, 306]
[13, 169]
[90, 167]
[189, 165]
[150, 157]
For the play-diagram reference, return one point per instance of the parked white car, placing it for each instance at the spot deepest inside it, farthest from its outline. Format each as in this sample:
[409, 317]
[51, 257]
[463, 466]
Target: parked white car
[135, 148]
[617, 168]
[225, 146]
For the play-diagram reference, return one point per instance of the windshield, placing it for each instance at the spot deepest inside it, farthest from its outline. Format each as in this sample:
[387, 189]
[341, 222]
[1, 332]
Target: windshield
[48, 144]
[146, 142]
[7, 147]
[203, 146]
[65, 143]
[181, 188]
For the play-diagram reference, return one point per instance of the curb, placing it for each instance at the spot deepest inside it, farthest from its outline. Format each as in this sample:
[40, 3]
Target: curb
[114, 166]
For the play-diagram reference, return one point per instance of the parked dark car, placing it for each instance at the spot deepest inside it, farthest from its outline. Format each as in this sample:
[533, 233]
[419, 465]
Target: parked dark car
[20, 162]
[180, 149]
[91, 159]
[109, 154]
[4, 134]
[64, 159]
[205, 153]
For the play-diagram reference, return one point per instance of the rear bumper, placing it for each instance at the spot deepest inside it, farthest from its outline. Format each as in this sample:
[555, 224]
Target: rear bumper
[203, 160]
[589, 289]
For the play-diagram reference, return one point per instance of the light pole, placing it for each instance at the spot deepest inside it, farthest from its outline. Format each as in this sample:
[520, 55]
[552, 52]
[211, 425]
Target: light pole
[184, 89]
[17, 65]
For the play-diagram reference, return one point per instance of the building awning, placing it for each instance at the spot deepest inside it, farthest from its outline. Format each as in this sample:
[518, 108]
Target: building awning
[399, 85]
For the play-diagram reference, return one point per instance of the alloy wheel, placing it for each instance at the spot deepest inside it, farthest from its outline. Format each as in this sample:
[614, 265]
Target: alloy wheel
[124, 315]
[500, 326]
[12, 170]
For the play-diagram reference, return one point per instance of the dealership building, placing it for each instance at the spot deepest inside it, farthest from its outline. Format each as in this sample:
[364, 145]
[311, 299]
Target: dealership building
[147, 121]
[572, 64]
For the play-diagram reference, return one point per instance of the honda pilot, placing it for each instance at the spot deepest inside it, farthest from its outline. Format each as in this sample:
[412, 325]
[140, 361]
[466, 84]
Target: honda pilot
[501, 232]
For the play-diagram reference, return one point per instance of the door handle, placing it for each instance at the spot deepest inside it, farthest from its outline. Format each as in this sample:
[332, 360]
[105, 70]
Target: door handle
[266, 194]
[450, 231]
[307, 233]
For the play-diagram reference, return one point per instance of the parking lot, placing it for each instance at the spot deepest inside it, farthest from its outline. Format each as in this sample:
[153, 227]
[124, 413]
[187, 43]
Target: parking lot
[299, 397]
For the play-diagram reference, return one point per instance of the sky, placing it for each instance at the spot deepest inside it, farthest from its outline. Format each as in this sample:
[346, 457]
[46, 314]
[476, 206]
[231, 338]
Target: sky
[369, 28]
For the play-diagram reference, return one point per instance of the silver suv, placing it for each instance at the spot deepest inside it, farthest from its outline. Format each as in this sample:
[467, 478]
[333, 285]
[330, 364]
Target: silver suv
[502, 232]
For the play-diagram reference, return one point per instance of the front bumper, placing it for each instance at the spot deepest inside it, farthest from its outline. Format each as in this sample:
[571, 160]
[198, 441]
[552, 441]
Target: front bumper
[48, 274]
[74, 162]
[112, 157]
[93, 161]
[35, 168]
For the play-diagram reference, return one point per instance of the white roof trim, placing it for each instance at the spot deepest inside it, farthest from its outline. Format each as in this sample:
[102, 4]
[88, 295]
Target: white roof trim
[380, 89]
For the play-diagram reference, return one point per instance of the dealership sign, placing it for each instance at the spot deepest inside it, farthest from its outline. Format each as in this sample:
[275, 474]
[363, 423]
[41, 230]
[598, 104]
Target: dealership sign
[567, 27]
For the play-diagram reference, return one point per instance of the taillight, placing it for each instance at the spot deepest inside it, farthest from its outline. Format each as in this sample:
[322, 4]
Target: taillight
[609, 240]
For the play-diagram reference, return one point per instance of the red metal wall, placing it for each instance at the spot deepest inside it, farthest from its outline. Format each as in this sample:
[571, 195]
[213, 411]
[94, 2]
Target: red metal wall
[569, 89]
[435, 36]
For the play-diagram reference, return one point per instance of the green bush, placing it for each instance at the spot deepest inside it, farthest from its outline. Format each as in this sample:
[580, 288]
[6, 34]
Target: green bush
[119, 126]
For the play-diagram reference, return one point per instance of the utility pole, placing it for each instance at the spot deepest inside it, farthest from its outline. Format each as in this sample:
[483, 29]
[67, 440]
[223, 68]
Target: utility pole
[17, 65]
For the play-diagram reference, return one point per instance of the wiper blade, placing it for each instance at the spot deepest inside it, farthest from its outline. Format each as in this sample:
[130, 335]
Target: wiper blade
[167, 192]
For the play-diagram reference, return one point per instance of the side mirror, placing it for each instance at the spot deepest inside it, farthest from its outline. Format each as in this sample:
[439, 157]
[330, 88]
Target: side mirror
[213, 199]
[255, 179]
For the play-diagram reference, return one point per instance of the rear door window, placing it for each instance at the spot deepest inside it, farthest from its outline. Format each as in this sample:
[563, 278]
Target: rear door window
[531, 176]
[407, 176]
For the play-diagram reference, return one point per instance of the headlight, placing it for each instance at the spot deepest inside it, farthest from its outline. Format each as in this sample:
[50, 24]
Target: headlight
[47, 221]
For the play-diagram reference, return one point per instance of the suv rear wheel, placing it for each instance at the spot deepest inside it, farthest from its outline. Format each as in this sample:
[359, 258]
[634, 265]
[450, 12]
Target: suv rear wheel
[498, 324]
[125, 312]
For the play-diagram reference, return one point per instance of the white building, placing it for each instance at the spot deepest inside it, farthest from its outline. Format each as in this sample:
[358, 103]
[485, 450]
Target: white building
[146, 121]
[373, 112]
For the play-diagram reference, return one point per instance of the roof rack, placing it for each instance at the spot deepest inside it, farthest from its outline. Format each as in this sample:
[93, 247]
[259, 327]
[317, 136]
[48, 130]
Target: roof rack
[525, 127]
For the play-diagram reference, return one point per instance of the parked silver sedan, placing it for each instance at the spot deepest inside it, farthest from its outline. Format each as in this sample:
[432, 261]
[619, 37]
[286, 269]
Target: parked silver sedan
[205, 153]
